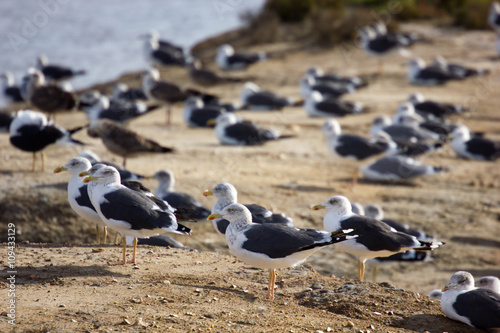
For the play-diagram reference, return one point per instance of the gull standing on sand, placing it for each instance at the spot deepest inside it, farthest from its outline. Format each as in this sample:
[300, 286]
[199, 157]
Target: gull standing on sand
[78, 196]
[183, 203]
[375, 238]
[31, 131]
[272, 246]
[124, 142]
[226, 195]
[127, 211]
[227, 59]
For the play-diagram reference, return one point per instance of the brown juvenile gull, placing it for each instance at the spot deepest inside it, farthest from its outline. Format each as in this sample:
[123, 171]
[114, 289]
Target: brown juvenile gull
[124, 142]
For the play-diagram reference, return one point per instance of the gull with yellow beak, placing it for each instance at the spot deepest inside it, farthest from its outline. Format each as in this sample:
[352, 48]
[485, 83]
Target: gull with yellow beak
[476, 307]
[129, 212]
[78, 196]
[375, 238]
[271, 246]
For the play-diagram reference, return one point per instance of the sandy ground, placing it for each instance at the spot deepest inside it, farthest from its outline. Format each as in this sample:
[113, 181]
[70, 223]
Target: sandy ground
[71, 288]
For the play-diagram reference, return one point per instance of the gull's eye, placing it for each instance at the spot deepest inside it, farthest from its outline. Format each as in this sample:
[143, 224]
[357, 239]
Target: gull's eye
[333, 201]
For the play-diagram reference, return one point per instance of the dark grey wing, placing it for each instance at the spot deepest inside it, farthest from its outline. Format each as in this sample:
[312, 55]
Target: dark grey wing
[279, 241]
[258, 211]
[481, 306]
[245, 132]
[376, 235]
[83, 198]
[135, 209]
[201, 117]
[484, 147]
[359, 147]
[242, 58]
[267, 99]
[168, 58]
[186, 205]
[14, 93]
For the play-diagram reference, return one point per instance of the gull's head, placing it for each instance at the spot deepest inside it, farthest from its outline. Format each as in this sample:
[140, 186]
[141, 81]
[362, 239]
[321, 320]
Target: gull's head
[225, 49]
[416, 98]
[315, 71]
[165, 176]
[405, 108]
[416, 63]
[151, 73]
[374, 211]
[440, 61]
[331, 127]
[248, 90]
[461, 280]
[357, 208]
[227, 118]
[42, 61]
[222, 191]
[488, 282]
[92, 170]
[75, 166]
[233, 213]
[193, 102]
[460, 133]
[105, 174]
[336, 203]
[90, 155]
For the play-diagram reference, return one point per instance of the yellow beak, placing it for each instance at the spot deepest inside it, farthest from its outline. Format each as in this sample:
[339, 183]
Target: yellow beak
[83, 173]
[207, 193]
[445, 288]
[318, 207]
[59, 169]
[214, 216]
[89, 179]
[211, 122]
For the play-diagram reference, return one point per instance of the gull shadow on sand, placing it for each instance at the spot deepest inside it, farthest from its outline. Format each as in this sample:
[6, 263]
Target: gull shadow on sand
[476, 241]
[435, 323]
[58, 186]
[53, 273]
[305, 188]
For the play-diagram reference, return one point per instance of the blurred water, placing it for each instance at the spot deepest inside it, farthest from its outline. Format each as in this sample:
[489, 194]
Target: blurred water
[102, 36]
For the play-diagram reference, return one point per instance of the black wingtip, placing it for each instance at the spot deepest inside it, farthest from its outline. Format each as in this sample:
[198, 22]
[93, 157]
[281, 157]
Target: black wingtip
[183, 229]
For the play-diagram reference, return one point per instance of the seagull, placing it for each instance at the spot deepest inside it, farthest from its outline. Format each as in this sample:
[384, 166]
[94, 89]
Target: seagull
[207, 78]
[48, 97]
[231, 130]
[10, 90]
[356, 147]
[226, 195]
[120, 111]
[125, 174]
[375, 238]
[5, 121]
[78, 196]
[319, 75]
[127, 211]
[494, 16]
[456, 69]
[379, 43]
[488, 282]
[162, 91]
[476, 307]
[435, 294]
[272, 246]
[308, 84]
[55, 72]
[398, 168]
[316, 105]
[184, 203]
[122, 91]
[252, 98]
[122, 141]
[405, 133]
[227, 59]
[420, 74]
[197, 114]
[475, 148]
[31, 131]
[428, 108]
[161, 53]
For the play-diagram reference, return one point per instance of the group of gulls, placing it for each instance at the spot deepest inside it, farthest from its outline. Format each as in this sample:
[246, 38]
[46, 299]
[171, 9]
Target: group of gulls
[112, 197]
